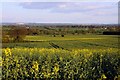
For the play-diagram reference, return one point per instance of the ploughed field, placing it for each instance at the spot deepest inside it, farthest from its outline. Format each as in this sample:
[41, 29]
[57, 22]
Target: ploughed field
[77, 57]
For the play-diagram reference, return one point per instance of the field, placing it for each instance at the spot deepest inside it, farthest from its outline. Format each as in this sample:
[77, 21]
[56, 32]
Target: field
[60, 53]
[41, 63]
[68, 42]
[60, 40]
[93, 57]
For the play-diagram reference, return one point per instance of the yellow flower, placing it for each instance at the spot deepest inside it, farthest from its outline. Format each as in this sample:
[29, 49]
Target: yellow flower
[103, 76]
[35, 66]
[56, 68]
[7, 52]
[47, 75]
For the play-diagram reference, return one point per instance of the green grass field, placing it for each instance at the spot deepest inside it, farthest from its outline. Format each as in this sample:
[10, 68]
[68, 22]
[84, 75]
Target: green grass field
[68, 42]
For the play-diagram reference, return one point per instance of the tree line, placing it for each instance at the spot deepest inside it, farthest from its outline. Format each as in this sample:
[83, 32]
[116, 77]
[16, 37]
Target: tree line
[17, 33]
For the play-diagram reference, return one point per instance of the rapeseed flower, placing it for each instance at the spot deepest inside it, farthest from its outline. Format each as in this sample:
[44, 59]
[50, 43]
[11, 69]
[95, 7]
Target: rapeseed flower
[35, 66]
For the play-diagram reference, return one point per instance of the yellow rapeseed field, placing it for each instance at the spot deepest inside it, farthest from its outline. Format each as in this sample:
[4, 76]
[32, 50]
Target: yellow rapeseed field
[43, 63]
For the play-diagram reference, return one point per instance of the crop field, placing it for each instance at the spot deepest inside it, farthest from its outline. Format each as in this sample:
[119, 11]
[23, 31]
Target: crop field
[68, 42]
[78, 57]
[73, 52]
[60, 40]
[42, 63]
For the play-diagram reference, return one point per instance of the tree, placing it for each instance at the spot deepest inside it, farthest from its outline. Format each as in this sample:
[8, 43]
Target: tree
[18, 33]
[5, 37]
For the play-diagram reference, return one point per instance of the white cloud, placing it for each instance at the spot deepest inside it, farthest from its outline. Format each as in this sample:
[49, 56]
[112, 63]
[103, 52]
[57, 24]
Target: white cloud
[70, 6]
[82, 12]
[63, 6]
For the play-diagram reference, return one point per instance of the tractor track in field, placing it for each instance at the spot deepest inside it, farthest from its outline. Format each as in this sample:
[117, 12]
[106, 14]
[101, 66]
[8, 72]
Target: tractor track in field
[57, 46]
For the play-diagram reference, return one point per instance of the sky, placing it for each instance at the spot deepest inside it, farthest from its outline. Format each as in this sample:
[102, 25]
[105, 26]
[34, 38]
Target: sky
[60, 12]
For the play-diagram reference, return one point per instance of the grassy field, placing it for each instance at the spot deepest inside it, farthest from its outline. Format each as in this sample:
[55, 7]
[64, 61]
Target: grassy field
[68, 42]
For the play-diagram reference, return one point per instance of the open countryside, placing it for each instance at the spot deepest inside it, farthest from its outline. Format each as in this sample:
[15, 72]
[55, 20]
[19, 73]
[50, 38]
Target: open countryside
[35, 55]
[67, 40]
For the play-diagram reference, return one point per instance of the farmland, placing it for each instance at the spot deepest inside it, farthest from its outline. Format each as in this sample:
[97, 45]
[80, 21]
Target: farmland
[60, 54]
[36, 63]
[69, 41]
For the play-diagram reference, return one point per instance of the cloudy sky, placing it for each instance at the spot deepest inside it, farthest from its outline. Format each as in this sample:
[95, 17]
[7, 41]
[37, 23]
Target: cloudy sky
[60, 12]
